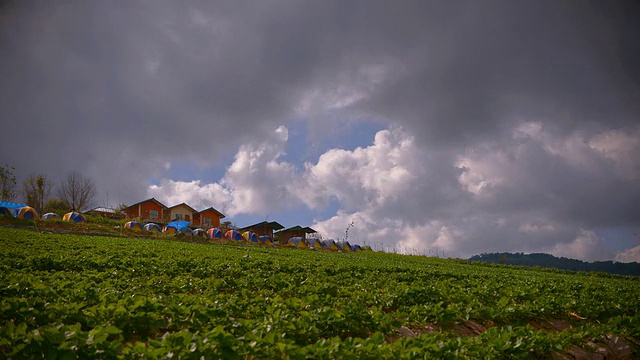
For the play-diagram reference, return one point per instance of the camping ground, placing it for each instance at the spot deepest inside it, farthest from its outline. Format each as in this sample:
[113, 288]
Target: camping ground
[83, 296]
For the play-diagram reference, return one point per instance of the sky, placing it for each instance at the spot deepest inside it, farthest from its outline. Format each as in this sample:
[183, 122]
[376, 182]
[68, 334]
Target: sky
[446, 128]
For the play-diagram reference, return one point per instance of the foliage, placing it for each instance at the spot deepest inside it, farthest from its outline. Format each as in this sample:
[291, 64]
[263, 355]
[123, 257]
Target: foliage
[57, 206]
[227, 225]
[103, 220]
[37, 189]
[100, 297]
[77, 190]
[7, 183]
[120, 209]
[550, 261]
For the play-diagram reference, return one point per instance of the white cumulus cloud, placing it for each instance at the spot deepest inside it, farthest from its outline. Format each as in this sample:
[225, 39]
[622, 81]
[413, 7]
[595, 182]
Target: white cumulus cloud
[531, 190]
[629, 255]
[194, 193]
[374, 175]
[256, 181]
[586, 246]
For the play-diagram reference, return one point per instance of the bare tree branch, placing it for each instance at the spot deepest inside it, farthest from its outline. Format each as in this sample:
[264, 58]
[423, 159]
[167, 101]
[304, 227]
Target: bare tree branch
[7, 183]
[37, 190]
[77, 190]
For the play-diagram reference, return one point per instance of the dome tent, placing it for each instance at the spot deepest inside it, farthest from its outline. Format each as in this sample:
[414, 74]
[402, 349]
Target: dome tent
[177, 227]
[50, 216]
[199, 232]
[26, 212]
[11, 206]
[250, 236]
[266, 239]
[133, 225]
[233, 235]
[329, 244]
[152, 227]
[74, 216]
[5, 211]
[214, 233]
[313, 243]
[297, 242]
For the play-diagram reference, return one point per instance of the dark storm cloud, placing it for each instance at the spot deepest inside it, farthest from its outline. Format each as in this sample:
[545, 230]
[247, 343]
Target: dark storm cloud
[130, 86]
[486, 63]
[119, 89]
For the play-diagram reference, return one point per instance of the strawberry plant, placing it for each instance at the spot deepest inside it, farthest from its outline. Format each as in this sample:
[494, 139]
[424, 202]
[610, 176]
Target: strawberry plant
[75, 296]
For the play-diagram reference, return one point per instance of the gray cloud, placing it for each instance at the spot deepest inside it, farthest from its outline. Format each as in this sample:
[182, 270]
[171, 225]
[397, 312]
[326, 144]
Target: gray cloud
[488, 63]
[456, 70]
[532, 191]
[119, 91]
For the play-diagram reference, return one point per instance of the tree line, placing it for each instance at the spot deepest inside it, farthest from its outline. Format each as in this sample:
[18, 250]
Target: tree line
[563, 263]
[75, 192]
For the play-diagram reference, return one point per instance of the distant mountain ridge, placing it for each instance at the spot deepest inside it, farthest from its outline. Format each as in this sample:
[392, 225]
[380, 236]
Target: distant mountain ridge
[550, 261]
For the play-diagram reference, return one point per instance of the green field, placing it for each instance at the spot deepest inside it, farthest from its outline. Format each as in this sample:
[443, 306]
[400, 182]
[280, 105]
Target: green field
[74, 296]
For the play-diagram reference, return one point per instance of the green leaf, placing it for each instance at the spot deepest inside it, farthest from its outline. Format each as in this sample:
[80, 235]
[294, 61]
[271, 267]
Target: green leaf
[112, 330]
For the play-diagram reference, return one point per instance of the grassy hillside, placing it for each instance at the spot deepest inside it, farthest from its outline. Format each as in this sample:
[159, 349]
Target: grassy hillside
[84, 296]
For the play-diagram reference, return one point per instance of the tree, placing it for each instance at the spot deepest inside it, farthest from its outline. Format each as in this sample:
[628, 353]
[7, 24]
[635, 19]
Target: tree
[77, 190]
[7, 183]
[56, 206]
[37, 189]
[120, 210]
[227, 225]
[346, 231]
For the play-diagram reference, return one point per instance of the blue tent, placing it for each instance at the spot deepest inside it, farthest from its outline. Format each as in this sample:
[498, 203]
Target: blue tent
[74, 216]
[214, 233]
[329, 244]
[176, 226]
[152, 227]
[133, 225]
[8, 208]
[233, 235]
[250, 236]
[346, 246]
[11, 205]
[199, 232]
[313, 243]
[50, 216]
[297, 242]
[266, 239]
[26, 212]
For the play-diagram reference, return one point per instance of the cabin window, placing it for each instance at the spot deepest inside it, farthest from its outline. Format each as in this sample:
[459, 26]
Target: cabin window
[178, 216]
[153, 214]
[207, 221]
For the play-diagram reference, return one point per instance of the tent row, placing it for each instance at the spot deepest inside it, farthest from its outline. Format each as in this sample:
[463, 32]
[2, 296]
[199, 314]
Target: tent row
[29, 213]
[248, 236]
[314, 243]
[181, 227]
[149, 227]
[23, 211]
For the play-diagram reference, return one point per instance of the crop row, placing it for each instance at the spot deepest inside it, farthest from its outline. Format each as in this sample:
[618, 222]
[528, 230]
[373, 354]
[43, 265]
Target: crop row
[83, 296]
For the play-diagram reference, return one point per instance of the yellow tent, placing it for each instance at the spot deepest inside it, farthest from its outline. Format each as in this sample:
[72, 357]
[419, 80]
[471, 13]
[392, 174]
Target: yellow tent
[74, 216]
[27, 212]
[329, 244]
[297, 242]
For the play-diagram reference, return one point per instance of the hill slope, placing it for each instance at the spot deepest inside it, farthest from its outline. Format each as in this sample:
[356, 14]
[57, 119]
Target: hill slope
[102, 297]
